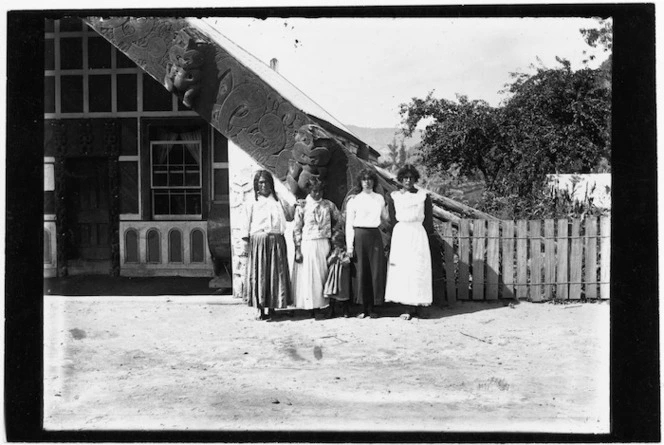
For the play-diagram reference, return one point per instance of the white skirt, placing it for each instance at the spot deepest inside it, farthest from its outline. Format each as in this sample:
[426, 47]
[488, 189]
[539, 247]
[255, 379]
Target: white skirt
[409, 267]
[308, 277]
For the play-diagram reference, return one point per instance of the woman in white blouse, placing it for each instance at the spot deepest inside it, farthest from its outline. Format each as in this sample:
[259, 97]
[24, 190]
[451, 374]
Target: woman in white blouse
[314, 222]
[267, 281]
[364, 214]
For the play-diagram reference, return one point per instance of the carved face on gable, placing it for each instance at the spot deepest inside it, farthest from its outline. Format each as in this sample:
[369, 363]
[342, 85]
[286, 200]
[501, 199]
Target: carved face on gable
[191, 59]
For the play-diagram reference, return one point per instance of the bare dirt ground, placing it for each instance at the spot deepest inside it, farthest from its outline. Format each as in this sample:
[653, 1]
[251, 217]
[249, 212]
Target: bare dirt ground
[199, 363]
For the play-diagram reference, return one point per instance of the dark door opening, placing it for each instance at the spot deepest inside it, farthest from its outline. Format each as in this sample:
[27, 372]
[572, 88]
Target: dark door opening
[88, 198]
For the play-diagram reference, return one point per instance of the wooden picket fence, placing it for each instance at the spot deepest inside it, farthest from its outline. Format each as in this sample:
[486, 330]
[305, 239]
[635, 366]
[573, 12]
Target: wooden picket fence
[566, 259]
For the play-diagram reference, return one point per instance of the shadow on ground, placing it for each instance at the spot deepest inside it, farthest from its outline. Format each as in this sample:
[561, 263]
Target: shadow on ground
[105, 285]
[393, 310]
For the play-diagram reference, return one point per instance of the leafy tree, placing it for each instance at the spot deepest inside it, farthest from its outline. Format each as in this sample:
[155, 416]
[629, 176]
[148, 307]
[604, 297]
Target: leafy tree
[403, 155]
[394, 151]
[462, 134]
[398, 155]
[555, 120]
[601, 36]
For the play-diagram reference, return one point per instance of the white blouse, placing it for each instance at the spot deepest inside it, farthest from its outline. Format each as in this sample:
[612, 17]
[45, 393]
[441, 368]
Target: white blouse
[364, 210]
[266, 215]
[409, 207]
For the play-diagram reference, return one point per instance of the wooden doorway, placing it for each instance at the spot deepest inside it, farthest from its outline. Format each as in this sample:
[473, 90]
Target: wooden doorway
[88, 204]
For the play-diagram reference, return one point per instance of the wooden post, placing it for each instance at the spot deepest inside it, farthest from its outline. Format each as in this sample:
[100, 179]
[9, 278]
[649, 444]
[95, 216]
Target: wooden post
[508, 259]
[479, 240]
[605, 257]
[492, 260]
[591, 257]
[448, 252]
[575, 262]
[549, 258]
[562, 254]
[535, 260]
[522, 259]
[464, 258]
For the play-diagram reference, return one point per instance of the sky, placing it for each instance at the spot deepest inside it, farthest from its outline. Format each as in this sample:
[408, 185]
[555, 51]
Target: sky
[360, 70]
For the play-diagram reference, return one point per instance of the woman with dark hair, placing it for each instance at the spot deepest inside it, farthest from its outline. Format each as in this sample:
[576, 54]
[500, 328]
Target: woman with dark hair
[409, 266]
[364, 214]
[314, 222]
[267, 281]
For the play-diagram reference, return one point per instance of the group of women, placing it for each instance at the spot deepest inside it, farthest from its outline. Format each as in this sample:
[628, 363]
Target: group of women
[330, 267]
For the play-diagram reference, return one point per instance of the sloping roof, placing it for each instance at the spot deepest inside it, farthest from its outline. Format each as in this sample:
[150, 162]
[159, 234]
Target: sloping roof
[272, 77]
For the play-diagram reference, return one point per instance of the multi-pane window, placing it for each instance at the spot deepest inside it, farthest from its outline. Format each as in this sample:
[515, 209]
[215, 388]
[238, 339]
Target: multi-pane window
[85, 75]
[175, 169]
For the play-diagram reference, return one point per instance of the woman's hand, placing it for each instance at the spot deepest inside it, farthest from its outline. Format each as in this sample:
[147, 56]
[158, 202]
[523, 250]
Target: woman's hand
[298, 255]
[245, 246]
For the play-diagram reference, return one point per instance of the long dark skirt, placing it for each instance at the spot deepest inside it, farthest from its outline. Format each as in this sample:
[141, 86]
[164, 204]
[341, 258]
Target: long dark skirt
[370, 267]
[267, 279]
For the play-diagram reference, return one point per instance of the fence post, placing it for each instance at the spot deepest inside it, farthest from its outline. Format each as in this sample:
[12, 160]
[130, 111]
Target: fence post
[605, 257]
[591, 257]
[479, 238]
[448, 252]
[522, 259]
[535, 260]
[562, 252]
[508, 259]
[492, 260]
[575, 262]
[464, 258]
[549, 258]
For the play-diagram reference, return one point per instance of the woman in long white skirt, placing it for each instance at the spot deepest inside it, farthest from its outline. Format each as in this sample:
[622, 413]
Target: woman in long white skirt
[409, 266]
[314, 222]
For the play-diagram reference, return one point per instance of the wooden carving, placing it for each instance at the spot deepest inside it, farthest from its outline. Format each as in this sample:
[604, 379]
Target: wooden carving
[183, 71]
[233, 99]
[310, 158]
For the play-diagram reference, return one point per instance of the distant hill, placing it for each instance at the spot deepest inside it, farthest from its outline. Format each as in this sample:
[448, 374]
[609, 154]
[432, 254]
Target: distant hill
[379, 138]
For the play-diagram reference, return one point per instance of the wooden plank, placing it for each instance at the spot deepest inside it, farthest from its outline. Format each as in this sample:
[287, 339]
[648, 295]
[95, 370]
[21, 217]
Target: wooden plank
[522, 259]
[536, 260]
[605, 257]
[575, 261]
[448, 255]
[590, 241]
[562, 254]
[549, 258]
[464, 259]
[492, 260]
[507, 241]
[479, 243]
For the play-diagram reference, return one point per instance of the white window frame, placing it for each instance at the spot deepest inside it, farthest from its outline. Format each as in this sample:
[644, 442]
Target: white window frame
[199, 187]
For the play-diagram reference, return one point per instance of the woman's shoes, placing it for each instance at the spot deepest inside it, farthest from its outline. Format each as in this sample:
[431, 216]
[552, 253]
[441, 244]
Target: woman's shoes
[369, 315]
[405, 316]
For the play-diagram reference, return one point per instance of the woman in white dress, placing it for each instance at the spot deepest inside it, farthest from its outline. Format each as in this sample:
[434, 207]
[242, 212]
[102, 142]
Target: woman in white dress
[314, 222]
[409, 265]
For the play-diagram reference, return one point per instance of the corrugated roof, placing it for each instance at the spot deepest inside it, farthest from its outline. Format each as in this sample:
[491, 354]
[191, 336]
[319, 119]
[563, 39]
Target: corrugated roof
[289, 91]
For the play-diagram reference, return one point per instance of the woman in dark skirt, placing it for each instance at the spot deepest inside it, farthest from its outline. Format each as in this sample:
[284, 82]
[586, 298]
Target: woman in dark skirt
[267, 280]
[364, 214]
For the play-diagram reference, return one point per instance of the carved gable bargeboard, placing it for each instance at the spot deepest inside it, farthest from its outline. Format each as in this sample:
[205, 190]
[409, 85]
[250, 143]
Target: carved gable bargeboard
[233, 99]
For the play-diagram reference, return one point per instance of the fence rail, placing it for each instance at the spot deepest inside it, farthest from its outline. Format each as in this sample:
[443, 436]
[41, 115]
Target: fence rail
[565, 259]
